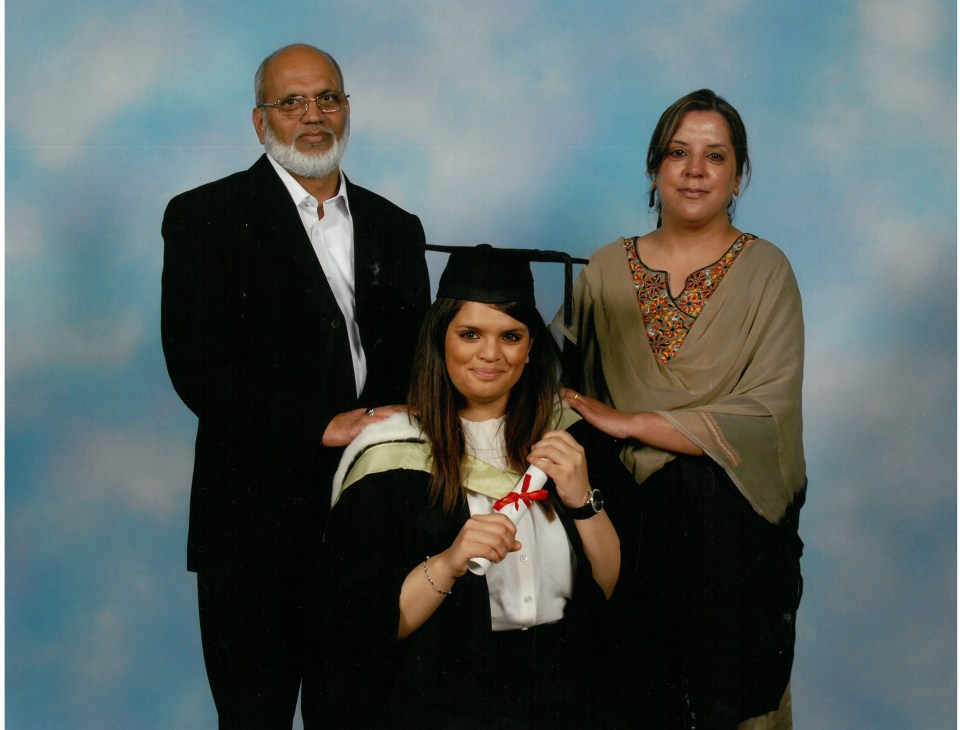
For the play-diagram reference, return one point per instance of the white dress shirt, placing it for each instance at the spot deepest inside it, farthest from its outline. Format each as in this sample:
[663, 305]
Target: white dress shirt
[530, 586]
[332, 241]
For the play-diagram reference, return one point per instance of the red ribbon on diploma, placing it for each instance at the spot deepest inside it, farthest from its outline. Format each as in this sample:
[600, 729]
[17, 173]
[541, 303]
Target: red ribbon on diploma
[523, 495]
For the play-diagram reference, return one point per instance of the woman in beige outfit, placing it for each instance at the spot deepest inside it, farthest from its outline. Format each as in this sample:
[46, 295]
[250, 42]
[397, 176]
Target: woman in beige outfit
[689, 342]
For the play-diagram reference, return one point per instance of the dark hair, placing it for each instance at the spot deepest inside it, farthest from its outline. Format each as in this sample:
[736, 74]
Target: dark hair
[258, 88]
[433, 396]
[697, 101]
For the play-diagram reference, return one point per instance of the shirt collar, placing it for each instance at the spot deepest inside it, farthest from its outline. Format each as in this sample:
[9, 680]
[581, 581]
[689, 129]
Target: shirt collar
[298, 193]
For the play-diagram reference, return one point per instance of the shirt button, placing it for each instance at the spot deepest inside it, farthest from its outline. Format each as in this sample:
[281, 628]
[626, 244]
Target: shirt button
[527, 599]
[523, 558]
[335, 323]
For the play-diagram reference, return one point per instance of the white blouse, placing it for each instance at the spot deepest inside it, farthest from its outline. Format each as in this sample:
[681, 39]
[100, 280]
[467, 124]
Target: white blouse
[530, 586]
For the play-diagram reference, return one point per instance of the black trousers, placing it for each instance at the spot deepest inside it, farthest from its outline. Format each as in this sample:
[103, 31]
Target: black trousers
[259, 646]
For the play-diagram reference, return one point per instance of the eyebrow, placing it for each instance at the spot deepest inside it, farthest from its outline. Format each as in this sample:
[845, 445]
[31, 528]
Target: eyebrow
[712, 144]
[518, 330]
[319, 93]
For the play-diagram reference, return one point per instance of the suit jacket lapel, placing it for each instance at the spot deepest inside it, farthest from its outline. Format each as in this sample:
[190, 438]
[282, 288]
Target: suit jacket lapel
[279, 226]
[367, 264]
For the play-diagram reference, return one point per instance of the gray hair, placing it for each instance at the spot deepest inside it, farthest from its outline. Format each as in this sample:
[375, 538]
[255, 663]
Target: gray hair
[258, 90]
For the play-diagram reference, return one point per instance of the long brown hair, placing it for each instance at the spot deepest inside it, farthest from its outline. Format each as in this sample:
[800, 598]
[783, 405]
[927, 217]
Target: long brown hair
[433, 396]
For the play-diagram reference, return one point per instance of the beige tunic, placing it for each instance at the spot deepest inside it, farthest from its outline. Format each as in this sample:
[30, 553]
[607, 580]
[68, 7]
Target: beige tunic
[734, 387]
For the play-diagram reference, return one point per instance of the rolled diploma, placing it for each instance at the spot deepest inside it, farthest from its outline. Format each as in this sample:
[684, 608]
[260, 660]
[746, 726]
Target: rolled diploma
[515, 511]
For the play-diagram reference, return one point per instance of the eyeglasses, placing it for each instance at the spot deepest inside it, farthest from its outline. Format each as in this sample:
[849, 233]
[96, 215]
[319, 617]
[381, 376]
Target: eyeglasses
[296, 106]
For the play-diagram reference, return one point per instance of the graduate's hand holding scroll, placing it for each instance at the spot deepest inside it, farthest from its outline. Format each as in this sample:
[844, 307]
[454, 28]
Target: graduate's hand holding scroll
[562, 458]
[490, 536]
[564, 461]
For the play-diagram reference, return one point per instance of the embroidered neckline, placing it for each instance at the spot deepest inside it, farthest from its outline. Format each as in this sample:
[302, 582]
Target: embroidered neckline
[667, 320]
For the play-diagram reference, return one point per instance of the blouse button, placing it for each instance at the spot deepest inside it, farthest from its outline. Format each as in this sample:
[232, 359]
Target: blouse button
[527, 599]
[523, 558]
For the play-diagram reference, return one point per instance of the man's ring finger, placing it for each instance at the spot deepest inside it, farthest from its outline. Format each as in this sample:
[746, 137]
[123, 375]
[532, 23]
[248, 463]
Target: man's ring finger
[371, 411]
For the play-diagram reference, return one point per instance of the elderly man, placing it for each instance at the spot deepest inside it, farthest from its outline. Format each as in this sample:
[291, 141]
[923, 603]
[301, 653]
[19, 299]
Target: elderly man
[291, 303]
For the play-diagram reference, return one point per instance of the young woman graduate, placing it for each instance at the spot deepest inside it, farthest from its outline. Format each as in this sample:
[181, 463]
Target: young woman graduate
[422, 641]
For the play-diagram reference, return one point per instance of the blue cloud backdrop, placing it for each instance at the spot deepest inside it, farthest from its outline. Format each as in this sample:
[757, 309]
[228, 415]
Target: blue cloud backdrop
[519, 123]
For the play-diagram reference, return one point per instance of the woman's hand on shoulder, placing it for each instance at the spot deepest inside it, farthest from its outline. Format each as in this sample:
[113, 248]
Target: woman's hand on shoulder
[647, 427]
[489, 536]
[564, 461]
[612, 422]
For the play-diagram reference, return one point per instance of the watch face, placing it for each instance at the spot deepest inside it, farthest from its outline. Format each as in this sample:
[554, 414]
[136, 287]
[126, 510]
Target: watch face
[596, 500]
[593, 506]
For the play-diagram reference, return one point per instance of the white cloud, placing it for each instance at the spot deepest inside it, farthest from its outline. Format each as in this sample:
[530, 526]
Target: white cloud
[122, 618]
[105, 648]
[889, 235]
[898, 71]
[882, 407]
[97, 473]
[109, 64]
[901, 26]
[24, 238]
[832, 135]
[889, 242]
[101, 468]
[876, 617]
[502, 123]
[49, 321]
[691, 40]
[892, 89]
[193, 707]
[45, 334]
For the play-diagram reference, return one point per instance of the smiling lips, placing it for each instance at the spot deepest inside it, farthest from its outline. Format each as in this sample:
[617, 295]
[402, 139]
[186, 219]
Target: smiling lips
[486, 373]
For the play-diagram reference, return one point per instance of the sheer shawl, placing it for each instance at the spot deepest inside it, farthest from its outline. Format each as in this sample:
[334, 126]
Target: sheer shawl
[734, 387]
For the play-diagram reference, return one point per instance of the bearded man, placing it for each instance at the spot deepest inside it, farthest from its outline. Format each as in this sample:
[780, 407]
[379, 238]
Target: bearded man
[291, 302]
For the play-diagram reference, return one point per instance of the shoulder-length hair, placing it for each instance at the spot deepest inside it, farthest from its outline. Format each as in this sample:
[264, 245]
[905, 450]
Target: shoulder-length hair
[437, 402]
[703, 100]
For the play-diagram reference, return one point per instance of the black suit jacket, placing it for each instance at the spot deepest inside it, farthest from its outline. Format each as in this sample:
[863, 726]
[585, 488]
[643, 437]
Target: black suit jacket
[257, 348]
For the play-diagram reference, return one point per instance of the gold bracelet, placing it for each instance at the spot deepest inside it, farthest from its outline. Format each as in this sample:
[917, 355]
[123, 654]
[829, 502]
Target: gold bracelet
[435, 586]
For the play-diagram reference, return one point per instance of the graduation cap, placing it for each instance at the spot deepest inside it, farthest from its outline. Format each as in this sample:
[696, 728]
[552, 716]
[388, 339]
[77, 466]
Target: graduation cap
[498, 275]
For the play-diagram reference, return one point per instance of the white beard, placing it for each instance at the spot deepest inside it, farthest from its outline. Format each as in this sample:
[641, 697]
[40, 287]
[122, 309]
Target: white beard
[312, 165]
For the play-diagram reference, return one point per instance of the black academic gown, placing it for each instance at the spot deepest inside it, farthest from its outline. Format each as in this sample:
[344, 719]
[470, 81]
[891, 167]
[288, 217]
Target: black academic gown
[448, 673]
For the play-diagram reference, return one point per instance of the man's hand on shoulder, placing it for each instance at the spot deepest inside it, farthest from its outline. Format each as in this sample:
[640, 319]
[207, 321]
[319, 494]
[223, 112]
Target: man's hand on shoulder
[345, 427]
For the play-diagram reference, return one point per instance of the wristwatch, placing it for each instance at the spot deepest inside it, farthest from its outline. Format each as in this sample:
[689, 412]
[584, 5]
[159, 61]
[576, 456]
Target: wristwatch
[592, 507]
